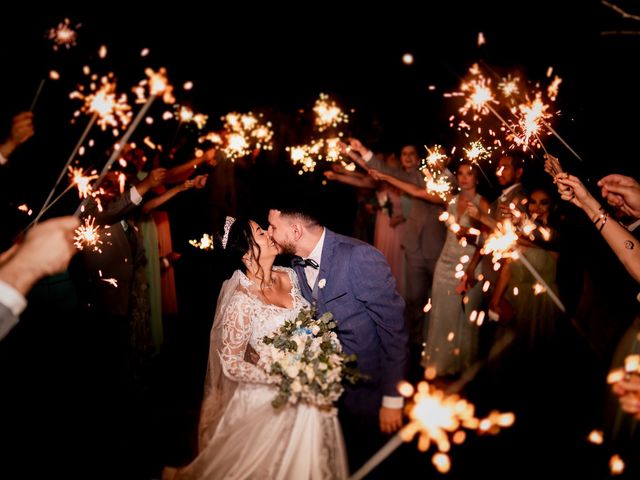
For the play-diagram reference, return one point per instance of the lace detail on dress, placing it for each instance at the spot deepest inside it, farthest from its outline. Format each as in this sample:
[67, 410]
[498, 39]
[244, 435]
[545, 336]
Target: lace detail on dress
[236, 332]
[246, 321]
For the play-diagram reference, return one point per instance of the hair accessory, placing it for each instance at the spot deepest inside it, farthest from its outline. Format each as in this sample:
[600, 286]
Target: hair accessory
[227, 226]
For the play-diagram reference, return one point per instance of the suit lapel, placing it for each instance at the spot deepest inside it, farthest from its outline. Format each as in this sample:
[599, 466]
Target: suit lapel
[302, 281]
[325, 262]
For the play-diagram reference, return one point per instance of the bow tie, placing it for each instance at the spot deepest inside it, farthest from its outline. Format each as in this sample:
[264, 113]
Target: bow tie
[304, 262]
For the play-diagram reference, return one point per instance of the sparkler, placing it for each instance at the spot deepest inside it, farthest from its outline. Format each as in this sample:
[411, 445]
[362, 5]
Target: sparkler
[328, 113]
[434, 416]
[436, 181]
[501, 243]
[88, 235]
[245, 133]
[63, 35]
[205, 243]
[106, 109]
[158, 85]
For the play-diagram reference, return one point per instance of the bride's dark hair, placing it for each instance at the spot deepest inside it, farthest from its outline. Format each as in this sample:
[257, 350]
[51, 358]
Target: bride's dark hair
[240, 240]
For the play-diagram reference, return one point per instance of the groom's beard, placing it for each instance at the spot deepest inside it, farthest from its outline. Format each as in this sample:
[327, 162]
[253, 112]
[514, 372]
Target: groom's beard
[286, 248]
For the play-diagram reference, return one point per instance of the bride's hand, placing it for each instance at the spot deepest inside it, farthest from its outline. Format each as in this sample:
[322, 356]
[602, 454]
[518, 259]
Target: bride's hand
[251, 356]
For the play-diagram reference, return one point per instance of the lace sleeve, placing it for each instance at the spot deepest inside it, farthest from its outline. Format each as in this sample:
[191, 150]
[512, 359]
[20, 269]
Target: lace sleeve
[236, 332]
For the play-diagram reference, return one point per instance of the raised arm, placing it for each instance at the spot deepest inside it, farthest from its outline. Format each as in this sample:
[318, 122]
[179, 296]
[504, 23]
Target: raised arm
[621, 241]
[184, 171]
[198, 183]
[351, 178]
[410, 188]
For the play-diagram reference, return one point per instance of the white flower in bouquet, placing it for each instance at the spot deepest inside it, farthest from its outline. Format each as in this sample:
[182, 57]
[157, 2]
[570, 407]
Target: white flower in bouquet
[308, 358]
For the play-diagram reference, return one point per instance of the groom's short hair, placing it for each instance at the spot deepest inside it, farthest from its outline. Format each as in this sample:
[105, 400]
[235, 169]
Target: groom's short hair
[301, 210]
[306, 218]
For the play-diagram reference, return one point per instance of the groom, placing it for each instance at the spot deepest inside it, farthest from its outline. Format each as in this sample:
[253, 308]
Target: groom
[352, 280]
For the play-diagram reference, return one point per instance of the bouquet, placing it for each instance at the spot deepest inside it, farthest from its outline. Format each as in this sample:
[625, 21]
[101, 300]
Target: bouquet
[307, 356]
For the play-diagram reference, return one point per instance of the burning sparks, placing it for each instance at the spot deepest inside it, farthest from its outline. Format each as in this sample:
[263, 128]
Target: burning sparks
[328, 114]
[88, 236]
[63, 34]
[246, 133]
[509, 86]
[552, 89]
[432, 168]
[82, 181]
[111, 110]
[501, 243]
[435, 416]
[111, 281]
[596, 437]
[186, 115]
[616, 465]
[205, 243]
[538, 289]
[427, 307]
[26, 209]
[476, 152]
[532, 115]
[478, 94]
[306, 155]
[157, 84]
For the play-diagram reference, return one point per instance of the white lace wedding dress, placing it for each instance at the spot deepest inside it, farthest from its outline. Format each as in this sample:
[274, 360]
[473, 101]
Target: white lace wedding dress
[241, 434]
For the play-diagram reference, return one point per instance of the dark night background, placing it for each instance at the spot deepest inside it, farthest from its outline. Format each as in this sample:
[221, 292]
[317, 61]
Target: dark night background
[276, 60]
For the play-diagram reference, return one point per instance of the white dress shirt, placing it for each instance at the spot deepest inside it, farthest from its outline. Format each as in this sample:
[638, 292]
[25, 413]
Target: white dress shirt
[12, 299]
[316, 255]
[507, 191]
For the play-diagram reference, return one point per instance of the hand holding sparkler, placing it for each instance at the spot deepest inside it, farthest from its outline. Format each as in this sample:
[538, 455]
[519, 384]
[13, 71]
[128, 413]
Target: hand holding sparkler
[621, 192]
[628, 391]
[21, 131]
[358, 147]
[552, 165]
[573, 190]
[46, 250]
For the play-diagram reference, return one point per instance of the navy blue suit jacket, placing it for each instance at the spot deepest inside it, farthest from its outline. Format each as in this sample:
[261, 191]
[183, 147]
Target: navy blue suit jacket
[360, 292]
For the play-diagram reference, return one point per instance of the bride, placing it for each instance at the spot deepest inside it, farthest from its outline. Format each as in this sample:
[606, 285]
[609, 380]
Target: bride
[241, 435]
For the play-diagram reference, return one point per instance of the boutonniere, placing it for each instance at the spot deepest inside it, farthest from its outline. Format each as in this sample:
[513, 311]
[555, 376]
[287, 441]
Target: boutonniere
[322, 282]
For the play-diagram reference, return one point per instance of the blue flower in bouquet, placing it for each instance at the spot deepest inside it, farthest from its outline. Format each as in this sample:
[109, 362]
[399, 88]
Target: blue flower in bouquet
[307, 356]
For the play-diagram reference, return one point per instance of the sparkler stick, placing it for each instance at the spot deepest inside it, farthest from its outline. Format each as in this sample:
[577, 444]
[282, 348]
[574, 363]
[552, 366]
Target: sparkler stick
[43, 211]
[37, 95]
[66, 167]
[540, 280]
[118, 148]
[562, 140]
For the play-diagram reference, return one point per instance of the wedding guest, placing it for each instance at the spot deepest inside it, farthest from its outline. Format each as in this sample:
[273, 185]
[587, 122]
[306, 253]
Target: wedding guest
[534, 312]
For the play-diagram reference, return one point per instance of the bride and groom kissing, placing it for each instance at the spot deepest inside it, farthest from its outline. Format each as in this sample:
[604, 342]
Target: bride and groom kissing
[240, 434]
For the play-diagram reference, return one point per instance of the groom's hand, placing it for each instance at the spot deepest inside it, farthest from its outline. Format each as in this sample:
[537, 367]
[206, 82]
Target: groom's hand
[390, 419]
